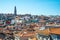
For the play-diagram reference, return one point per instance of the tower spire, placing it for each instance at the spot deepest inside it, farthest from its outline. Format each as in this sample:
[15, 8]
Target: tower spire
[15, 11]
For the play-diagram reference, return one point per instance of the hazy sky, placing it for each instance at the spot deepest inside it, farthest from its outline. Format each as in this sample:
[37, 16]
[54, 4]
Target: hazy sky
[36, 7]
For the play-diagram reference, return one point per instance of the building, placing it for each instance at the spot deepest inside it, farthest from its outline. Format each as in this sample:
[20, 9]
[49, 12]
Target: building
[15, 11]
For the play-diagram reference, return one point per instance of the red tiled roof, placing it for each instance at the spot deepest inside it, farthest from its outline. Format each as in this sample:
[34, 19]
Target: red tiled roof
[55, 30]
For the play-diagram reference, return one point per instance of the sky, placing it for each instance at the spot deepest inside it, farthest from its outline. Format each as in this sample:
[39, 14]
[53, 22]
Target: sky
[34, 7]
